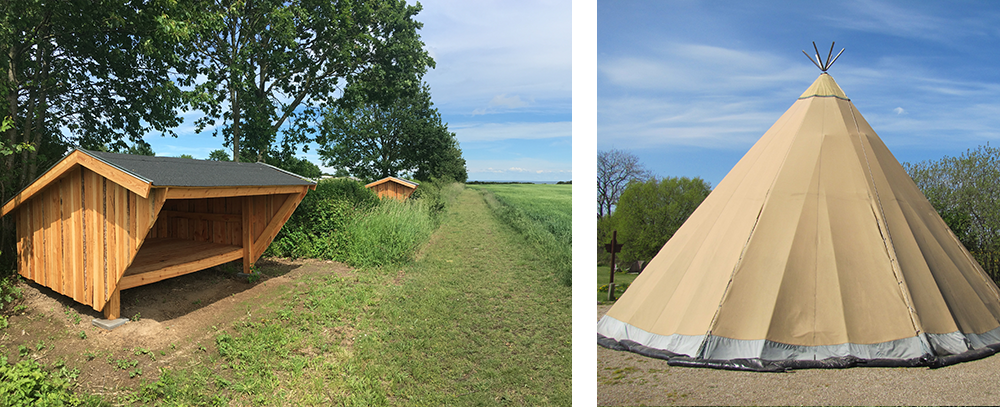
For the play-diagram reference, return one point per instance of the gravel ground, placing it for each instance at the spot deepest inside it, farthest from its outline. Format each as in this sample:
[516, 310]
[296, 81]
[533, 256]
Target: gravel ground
[625, 378]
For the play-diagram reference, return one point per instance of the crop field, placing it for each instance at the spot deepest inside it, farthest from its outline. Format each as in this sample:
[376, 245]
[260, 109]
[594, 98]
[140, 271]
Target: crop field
[542, 213]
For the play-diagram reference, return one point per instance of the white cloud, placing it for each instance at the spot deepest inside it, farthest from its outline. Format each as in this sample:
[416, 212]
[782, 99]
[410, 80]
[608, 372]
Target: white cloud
[907, 22]
[501, 102]
[489, 48]
[899, 110]
[528, 169]
[699, 68]
[510, 102]
[506, 131]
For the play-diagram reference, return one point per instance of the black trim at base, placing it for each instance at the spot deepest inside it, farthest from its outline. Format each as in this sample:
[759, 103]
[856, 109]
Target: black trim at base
[776, 366]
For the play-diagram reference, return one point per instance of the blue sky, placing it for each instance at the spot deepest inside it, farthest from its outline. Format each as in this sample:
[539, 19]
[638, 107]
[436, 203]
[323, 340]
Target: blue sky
[502, 83]
[689, 86]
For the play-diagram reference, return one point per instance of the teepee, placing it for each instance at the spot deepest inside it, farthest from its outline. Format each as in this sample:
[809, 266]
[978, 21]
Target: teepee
[816, 250]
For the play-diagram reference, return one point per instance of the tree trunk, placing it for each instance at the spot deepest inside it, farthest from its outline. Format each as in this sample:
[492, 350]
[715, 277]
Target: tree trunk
[234, 97]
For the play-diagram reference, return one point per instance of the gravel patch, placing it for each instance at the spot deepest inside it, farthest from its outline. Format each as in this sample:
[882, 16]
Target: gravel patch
[625, 378]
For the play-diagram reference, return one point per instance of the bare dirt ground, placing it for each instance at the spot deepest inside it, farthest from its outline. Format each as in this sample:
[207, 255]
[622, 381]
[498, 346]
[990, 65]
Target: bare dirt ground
[625, 378]
[173, 321]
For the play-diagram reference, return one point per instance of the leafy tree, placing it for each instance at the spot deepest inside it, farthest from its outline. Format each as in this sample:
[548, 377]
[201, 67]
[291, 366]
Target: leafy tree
[140, 148]
[288, 162]
[605, 227]
[80, 72]
[649, 213]
[96, 68]
[284, 160]
[442, 158]
[188, 156]
[378, 131]
[219, 155]
[272, 63]
[964, 190]
[615, 169]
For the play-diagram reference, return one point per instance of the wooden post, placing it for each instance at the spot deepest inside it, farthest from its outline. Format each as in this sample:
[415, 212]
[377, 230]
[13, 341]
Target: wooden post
[112, 308]
[613, 247]
[247, 233]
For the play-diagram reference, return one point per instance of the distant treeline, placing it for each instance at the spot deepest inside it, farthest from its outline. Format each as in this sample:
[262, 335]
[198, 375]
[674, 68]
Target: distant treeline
[511, 182]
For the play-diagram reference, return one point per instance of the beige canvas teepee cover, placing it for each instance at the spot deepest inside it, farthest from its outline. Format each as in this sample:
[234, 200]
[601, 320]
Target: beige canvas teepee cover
[817, 244]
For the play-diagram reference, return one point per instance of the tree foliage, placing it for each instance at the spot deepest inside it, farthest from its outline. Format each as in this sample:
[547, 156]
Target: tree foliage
[649, 213]
[378, 130]
[272, 63]
[965, 190]
[615, 169]
[140, 148]
[80, 72]
[288, 162]
[219, 155]
[96, 68]
[101, 74]
[284, 160]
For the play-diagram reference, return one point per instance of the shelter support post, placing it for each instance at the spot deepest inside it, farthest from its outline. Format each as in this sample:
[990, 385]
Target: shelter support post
[247, 234]
[112, 308]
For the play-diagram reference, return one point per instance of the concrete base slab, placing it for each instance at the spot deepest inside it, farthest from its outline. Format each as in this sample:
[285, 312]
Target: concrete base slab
[109, 324]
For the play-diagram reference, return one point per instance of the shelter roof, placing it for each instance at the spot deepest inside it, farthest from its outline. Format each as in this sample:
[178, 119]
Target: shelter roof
[186, 172]
[403, 182]
[140, 173]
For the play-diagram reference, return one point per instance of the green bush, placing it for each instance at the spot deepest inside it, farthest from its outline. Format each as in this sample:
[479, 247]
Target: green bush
[346, 189]
[317, 229]
[29, 384]
[648, 213]
[9, 292]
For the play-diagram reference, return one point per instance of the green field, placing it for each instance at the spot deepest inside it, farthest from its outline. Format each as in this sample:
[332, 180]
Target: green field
[603, 275]
[542, 213]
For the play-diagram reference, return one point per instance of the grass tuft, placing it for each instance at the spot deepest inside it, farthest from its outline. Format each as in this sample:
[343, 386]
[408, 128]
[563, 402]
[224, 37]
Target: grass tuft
[389, 233]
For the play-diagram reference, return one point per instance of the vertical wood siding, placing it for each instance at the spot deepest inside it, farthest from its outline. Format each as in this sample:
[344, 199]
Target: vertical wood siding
[80, 233]
[196, 220]
[393, 190]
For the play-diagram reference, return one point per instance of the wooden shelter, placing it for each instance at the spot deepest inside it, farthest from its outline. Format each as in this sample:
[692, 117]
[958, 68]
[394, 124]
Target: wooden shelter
[393, 187]
[98, 223]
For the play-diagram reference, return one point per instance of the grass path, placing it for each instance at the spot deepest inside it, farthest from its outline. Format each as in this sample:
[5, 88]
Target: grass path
[477, 319]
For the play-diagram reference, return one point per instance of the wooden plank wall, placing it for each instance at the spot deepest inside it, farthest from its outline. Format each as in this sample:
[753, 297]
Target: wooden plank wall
[216, 220]
[393, 190]
[80, 233]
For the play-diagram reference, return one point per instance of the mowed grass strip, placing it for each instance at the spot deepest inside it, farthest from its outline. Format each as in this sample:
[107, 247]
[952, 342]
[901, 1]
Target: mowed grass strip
[542, 214]
[476, 320]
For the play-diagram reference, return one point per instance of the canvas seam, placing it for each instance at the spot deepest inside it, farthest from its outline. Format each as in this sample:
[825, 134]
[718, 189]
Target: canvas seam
[743, 252]
[887, 238]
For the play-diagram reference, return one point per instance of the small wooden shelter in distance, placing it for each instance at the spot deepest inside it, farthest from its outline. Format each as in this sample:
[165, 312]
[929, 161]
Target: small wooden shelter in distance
[98, 223]
[392, 187]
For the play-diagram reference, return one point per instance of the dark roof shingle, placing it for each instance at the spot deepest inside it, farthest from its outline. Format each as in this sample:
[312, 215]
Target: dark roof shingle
[186, 172]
